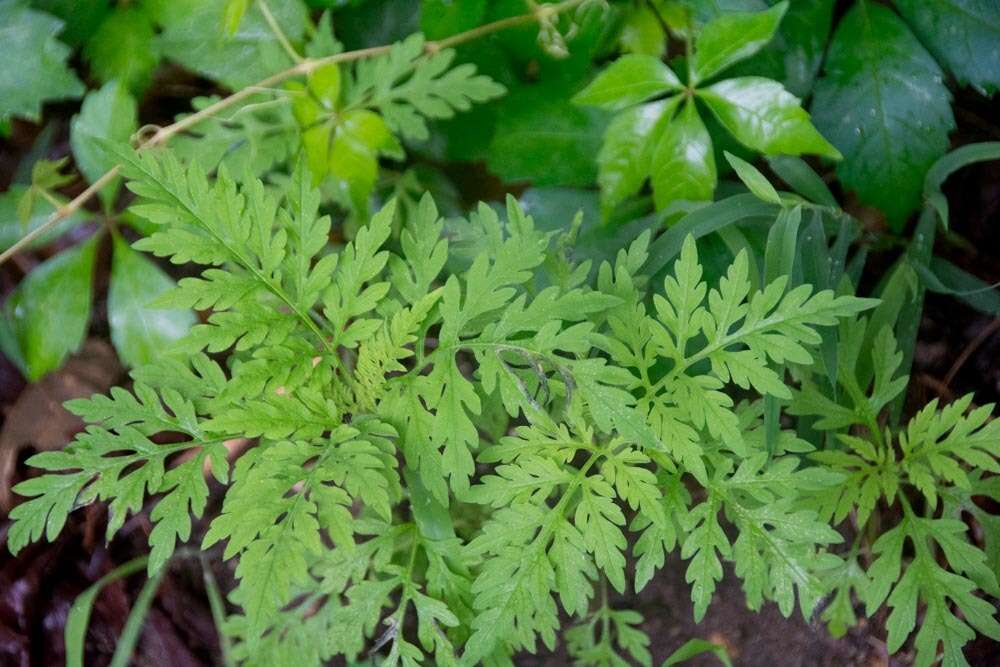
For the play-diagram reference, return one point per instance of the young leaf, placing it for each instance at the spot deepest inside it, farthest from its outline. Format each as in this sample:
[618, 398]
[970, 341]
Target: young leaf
[627, 81]
[732, 38]
[683, 163]
[754, 180]
[764, 116]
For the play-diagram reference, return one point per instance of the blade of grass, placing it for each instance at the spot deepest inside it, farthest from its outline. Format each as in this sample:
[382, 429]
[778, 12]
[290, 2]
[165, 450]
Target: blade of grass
[79, 614]
[802, 179]
[696, 647]
[218, 608]
[921, 248]
[702, 222]
[136, 618]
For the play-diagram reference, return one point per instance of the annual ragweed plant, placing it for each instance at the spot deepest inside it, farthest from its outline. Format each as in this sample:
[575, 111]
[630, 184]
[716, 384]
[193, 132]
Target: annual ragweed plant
[443, 464]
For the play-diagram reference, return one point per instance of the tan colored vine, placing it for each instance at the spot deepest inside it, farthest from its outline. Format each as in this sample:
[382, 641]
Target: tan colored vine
[539, 14]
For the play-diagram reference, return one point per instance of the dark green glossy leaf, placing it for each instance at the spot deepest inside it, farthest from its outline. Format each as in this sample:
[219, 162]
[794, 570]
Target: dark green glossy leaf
[882, 102]
[141, 334]
[683, 166]
[108, 113]
[627, 81]
[32, 62]
[765, 117]
[49, 311]
[732, 38]
[624, 161]
[543, 138]
[962, 34]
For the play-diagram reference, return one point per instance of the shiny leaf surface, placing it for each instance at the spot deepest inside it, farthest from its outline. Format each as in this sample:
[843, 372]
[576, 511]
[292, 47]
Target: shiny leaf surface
[882, 102]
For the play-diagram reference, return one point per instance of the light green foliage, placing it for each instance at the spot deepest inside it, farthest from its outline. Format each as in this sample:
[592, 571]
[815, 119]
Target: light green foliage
[659, 134]
[350, 117]
[253, 138]
[355, 369]
[930, 458]
[882, 102]
[33, 62]
[608, 638]
[455, 442]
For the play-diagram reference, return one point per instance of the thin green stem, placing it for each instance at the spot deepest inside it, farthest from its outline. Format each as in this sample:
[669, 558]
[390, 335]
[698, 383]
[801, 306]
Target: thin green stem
[278, 32]
[605, 616]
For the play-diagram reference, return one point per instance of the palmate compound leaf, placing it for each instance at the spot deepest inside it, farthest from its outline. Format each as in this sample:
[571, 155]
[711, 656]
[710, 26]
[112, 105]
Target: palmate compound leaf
[658, 133]
[962, 35]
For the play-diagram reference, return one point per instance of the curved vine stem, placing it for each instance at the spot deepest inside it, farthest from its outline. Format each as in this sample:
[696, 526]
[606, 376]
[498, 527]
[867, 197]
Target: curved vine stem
[164, 134]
